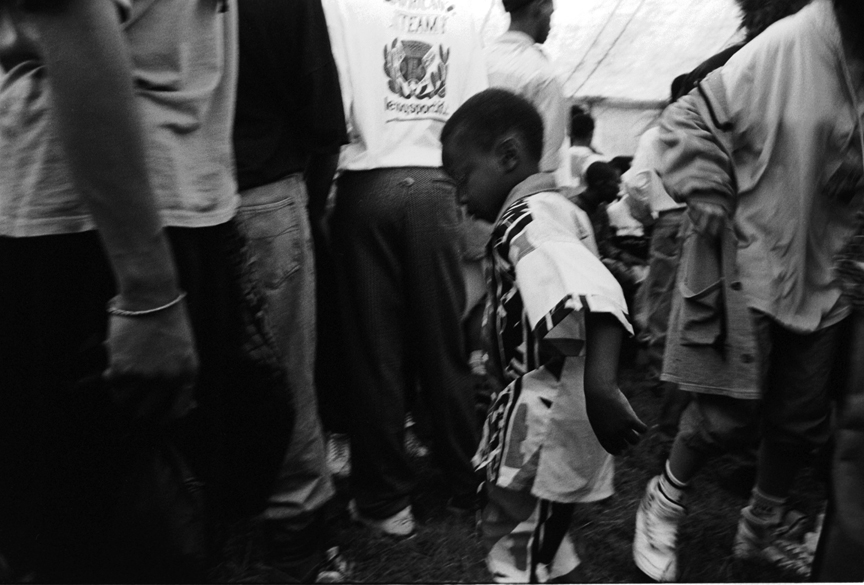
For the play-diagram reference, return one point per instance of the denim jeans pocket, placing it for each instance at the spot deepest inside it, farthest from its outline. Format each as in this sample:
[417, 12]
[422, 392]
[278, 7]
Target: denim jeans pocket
[274, 235]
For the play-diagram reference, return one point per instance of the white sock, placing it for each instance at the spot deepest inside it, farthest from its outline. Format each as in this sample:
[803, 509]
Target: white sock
[673, 488]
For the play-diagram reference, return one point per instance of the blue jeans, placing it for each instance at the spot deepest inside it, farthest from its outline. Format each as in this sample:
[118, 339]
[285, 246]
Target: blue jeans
[273, 217]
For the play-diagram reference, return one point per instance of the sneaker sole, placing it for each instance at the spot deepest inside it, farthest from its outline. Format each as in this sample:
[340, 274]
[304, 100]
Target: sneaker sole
[652, 571]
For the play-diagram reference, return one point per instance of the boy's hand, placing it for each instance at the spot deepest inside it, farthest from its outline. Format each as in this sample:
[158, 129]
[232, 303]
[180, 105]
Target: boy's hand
[612, 418]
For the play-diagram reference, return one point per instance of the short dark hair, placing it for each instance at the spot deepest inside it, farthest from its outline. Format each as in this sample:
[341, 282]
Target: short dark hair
[581, 123]
[600, 172]
[490, 114]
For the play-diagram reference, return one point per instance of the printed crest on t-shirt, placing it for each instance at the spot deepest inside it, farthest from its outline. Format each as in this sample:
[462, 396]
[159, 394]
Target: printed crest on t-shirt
[416, 60]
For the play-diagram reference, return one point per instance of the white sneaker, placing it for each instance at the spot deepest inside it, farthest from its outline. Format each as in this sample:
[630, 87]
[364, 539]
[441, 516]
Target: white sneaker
[400, 524]
[656, 534]
[339, 455]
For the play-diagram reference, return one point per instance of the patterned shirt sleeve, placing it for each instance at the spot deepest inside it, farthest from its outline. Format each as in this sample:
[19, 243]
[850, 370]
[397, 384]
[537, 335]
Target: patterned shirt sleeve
[559, 278]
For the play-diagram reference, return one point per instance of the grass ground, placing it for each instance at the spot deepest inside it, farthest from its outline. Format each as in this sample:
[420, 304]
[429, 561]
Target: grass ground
[446, 549]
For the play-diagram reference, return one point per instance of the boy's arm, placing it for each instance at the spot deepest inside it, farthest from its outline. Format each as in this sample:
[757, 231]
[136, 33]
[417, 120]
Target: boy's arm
[89, 71]
[613, 420]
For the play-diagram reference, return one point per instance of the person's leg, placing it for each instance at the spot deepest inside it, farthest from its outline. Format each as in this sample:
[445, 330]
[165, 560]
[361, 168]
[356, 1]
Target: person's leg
[368, 238]
[58, 450]
[797, 402]
[797, 405]
[526, 539]
[237, 437]
[274, 220]
[710, 425]
[20, 503]
[436, 299]
[840, 555]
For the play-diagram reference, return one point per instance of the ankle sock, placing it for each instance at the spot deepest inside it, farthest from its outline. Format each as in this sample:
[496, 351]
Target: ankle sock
[767, 507]
[673, 488]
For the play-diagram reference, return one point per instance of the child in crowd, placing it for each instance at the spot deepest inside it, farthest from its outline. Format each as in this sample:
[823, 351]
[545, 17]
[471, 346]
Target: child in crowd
[554, 323]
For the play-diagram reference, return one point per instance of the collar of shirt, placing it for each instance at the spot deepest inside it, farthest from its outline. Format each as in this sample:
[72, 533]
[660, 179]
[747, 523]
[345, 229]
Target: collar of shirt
[539, 183]
[517, 37]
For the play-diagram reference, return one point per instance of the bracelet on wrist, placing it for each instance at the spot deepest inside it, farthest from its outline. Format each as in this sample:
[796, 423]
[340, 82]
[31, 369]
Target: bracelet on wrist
[113, 309]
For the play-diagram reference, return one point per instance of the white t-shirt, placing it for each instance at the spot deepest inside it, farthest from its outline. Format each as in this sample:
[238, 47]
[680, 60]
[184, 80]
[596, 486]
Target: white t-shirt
[405, 66]
[519, 64]
[621, 218]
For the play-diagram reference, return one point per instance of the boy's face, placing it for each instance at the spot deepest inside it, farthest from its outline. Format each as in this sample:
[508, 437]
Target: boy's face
[609, 188]
[481, 178]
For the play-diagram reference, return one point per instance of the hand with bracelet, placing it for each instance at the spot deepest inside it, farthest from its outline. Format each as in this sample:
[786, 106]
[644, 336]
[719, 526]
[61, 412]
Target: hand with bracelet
[153, 360]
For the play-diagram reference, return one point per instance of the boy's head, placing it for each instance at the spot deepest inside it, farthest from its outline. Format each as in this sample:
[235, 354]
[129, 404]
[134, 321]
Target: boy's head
[493, 142]
[602, 182]
[533, 17]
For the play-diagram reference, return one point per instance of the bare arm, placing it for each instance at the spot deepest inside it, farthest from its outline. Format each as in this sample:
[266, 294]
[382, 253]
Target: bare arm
[610, 414]
[89, 71]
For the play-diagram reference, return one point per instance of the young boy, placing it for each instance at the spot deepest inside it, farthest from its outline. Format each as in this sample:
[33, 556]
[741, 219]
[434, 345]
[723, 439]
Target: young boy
[554, 321]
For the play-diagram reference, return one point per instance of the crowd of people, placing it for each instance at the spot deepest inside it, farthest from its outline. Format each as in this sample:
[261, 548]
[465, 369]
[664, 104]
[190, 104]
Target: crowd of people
[243, 239]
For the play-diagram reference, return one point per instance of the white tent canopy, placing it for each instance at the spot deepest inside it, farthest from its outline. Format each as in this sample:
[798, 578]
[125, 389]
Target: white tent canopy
[619, 57]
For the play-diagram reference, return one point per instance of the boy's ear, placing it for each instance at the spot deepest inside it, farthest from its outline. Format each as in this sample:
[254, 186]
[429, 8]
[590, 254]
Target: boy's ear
[508, 152]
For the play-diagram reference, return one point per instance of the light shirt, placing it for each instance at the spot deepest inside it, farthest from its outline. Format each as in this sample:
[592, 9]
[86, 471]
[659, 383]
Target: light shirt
[621, 218]
[641, 182]
[541, 281]
[517, 63]
[404, 67]
[184, 69]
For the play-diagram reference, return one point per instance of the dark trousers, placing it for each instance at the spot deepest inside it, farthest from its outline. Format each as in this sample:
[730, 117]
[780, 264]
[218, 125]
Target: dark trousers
[63, 444]
[396, 239]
